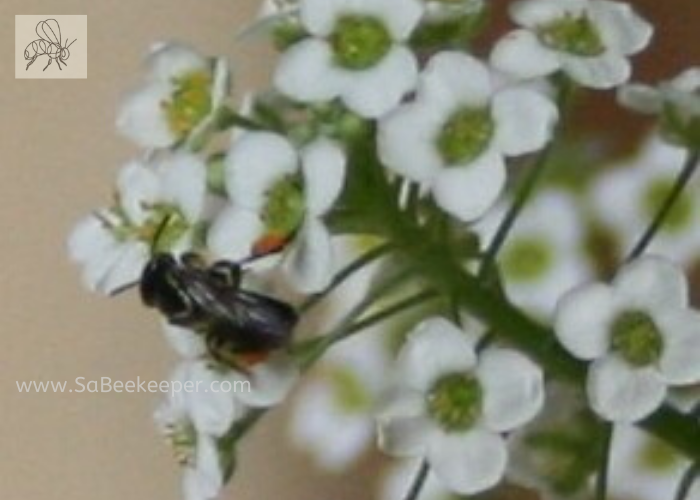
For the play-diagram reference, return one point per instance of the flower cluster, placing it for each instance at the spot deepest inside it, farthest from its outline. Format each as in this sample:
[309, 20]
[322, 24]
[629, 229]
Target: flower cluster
[383, 128]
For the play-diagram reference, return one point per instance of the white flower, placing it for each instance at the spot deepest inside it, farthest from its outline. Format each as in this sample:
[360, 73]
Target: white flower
[645, 468]
[164, 198]
[333, 416]
[452, 407]
[453, 138]
[639, 333]
[627, 197]
[280, 194]
[540, 261]
[677, 102]
[266, 382]
[179, 99]
[589, 40]
[356, 52]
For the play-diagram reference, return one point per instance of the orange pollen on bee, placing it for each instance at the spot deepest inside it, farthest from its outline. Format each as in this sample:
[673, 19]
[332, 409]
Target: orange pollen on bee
[252, 358]
[270, 243]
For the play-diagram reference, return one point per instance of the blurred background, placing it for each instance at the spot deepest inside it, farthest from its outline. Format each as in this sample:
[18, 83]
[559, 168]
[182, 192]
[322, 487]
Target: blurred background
[58, 157]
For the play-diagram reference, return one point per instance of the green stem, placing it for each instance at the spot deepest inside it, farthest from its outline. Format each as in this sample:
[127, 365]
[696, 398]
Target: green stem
[691, 164]
[602, 479]
[345, 274]
[228, 118]
[418, 481]
[687, 481]
[526, 190]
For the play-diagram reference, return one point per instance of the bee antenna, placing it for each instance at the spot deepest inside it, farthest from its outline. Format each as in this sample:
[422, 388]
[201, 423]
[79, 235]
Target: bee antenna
[159, 233]
[124, 288]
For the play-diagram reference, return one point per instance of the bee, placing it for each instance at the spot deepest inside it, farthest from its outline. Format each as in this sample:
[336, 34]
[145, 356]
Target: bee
[241, 327]
[49, 43]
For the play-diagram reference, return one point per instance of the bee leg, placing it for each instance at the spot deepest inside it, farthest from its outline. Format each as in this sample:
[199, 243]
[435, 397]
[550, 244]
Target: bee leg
[226, 274]
[31, 62]
[221, 351]
[49, 64]
[59, 65]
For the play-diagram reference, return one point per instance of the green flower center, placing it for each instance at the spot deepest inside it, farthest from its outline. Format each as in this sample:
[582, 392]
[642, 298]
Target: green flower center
[527, 259]
[190, 102]
[183, 440]
[573, 34]
[657, 456]
[636, 338]
[350, 395]
[455, 402]
[360, 42]
[284, 210]
[165, 226]
[465, 135]
[680, 216]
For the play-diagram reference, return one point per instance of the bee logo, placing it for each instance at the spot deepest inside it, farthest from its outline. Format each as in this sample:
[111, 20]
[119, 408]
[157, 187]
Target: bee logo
[49, 44]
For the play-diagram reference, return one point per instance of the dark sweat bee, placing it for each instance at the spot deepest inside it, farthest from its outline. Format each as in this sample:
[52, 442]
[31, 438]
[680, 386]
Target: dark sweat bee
[49, 43]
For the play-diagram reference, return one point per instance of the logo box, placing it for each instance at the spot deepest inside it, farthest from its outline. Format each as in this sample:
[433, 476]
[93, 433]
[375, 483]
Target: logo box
[51, 46]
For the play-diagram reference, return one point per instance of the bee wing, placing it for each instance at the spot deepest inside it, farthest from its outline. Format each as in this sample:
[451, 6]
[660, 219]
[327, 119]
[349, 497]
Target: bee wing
[50, 31]
[263, 322]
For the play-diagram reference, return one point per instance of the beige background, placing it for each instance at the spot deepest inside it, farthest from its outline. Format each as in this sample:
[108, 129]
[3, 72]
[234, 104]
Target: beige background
[73, 31]
[58, 157]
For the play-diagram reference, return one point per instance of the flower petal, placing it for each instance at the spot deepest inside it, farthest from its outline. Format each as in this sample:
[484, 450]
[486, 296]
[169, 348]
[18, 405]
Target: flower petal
[521, 55]
[309, 263]
[376, 91]
[137, 186]
[270, 382]
[184, 183]
[255, 161]
[534, 13]
[620, 26]
[306, 72]
[525, 120]
[454, 79]
[233, 233]
[204, 480]
[513, 389]
[406, 141]
[184, 341]
[319, 16]
[468, 463]
[171, 60]
[621, 393]
[403, 428]
[140, 117]
[126, 269]
[436, 347]
[602, 72]
[680, 359]
[583, 318]
[323, 165]
[642, 98]
[652, 282]
[467, 192]
[211, 411]
[399, 16]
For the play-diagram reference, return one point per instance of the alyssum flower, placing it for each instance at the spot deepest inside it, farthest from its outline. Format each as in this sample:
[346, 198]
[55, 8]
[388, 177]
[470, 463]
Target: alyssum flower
[589, 40]
[677, 102]
[194, 419]
[355, 52]
[164, 197]
[454, 136]
[278, 195]
[540, 261]
[452, 406]
[639, 333]
[179, 99]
